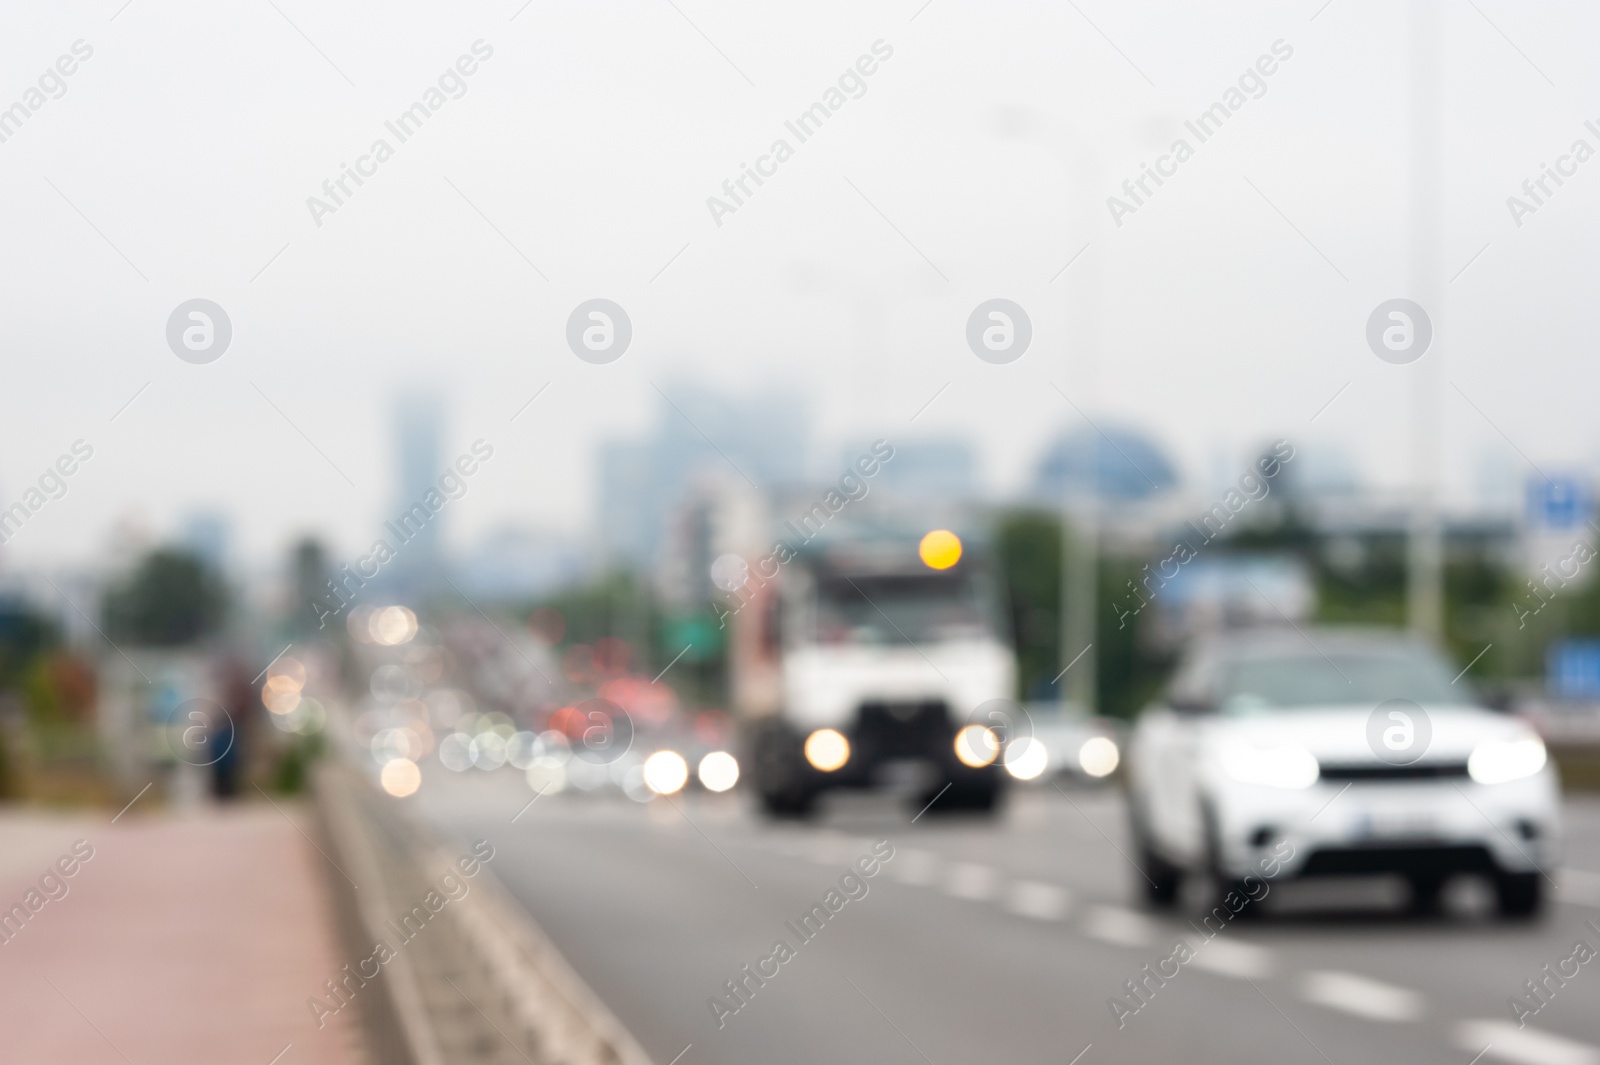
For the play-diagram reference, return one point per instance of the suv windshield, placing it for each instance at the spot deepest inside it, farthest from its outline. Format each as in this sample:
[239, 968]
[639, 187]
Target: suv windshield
[1289, 681]
[920, 608]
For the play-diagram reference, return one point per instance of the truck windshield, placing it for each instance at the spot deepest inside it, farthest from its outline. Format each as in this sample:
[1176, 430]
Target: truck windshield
[919, 608]
[1294, 680]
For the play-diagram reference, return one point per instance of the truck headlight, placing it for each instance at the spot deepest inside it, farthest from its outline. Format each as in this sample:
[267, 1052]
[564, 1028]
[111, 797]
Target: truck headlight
[827, 749]
[977, 746]
[1499, 761]
[1286, 766]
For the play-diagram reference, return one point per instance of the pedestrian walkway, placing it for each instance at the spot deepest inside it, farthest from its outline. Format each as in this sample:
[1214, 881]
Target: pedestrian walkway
[167, 937]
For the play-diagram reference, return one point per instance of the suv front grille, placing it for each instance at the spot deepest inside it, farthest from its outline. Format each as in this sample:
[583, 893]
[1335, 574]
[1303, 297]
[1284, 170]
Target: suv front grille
[1382, 773]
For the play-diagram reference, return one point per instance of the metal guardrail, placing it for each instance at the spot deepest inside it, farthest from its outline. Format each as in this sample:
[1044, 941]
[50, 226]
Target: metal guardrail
[480, 982]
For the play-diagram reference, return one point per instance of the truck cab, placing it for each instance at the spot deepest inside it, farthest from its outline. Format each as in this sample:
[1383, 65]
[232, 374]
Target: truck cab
[876, 658]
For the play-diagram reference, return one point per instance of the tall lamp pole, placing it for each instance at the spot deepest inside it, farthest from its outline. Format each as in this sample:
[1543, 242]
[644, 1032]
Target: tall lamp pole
[1425, 548]
[1080, 511]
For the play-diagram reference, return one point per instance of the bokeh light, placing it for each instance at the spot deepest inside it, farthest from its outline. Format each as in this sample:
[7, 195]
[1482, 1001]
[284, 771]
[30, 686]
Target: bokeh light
[718, 771]
[280, 694]
[291, 669]
[455, 752]
[940, 549]
[546, 775]
[393, 626]
[400, 777]
[977, 746]
[665, 772]
[827, 749]
[1026, 758]
[1098, 756]
[359, 622]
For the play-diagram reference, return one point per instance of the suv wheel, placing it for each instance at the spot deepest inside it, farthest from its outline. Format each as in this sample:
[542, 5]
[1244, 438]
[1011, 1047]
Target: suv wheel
[1161, 882]
[1519, 894]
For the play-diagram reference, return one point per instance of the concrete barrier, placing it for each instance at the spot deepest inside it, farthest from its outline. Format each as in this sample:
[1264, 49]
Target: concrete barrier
[480, 982]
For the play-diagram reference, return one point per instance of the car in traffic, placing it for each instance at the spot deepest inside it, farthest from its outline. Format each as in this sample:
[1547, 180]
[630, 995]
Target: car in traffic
[1049, 743]
[1303, 752]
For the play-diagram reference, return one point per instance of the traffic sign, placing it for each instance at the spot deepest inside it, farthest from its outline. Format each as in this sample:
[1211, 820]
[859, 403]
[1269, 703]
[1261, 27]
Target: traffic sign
[1560, 502]
[1572, 669]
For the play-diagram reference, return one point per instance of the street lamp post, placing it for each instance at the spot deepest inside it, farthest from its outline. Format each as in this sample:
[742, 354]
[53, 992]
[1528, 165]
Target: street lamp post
[1080, 510]
[1425, 547]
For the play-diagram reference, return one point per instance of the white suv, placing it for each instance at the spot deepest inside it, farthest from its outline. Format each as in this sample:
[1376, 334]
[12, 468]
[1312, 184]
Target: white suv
[1303, 753]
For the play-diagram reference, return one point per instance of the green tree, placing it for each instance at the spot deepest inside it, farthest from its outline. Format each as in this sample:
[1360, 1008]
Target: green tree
[1028, 546]
[24, 633]
[169, 599]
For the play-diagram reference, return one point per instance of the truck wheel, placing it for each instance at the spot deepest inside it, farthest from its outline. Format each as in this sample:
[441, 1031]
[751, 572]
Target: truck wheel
[970, 791]
[980, 796]
[780, 773]
[1519, 894]
[793, 805]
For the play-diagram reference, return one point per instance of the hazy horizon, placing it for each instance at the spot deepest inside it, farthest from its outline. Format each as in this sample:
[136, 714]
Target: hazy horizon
[178, 160]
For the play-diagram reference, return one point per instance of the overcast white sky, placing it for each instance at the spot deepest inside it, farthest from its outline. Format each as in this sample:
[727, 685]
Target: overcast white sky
[591, 140]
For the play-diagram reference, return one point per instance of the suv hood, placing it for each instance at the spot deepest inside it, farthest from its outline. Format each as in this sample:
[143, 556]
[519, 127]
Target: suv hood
[1337, 735]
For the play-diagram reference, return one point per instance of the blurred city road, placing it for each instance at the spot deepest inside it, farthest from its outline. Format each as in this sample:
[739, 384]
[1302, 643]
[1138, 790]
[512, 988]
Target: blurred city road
[1005, 940]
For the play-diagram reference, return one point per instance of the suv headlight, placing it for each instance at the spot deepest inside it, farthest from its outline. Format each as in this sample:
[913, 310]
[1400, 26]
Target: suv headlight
[1287, 766]
[1500, 761]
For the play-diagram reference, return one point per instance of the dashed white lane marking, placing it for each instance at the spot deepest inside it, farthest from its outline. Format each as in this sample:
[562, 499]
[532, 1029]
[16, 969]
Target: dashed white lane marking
[968, 880]
[1041, 901]
[1361, 996]
[1579, 886]
[1523, 1046]
[912, 866]
[1241, 960]
[1122, 927]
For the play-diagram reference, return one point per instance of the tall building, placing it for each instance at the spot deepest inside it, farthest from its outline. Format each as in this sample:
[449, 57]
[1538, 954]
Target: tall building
[698, 435]
[516, 562]
[208, 534]
[925, 468]
[419, 460]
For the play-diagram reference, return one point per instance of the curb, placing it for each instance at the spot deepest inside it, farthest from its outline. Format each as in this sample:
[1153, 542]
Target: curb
[483, 974]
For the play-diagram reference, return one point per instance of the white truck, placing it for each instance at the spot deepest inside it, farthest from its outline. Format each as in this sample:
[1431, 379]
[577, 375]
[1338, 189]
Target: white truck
[859, 651]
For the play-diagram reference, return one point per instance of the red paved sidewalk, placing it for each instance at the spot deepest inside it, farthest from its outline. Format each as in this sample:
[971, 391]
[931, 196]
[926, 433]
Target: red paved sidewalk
[184, 938]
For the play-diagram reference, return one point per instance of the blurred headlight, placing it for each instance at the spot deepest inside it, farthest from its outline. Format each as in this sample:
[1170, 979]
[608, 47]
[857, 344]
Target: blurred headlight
[827, 749]
[1098, 756]
[665, 772]
[400, 777]
[1499, 761]
[1026, 758]
[546, 775]
[977, 746]
[1288, 766]
[719, 771]
[393, 626]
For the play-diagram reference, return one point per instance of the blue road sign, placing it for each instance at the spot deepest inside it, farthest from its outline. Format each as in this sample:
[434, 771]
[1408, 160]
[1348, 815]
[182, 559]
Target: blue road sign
[1561, 502]
[1572, 669]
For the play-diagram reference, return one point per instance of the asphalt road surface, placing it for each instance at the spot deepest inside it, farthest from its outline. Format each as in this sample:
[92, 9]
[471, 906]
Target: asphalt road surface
[1005, 940]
